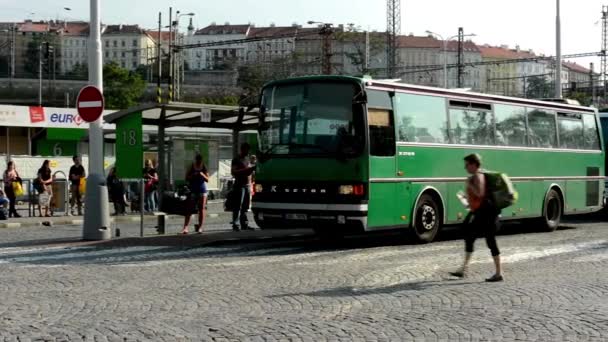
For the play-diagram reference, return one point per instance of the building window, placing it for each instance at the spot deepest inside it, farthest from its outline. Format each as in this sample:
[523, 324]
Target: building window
[107, 43]
[114, 54]
[123, 43]
[122, 64]
[134, 65]
[123, 54]
[107, 54]
[135, 42]
[114, 43]
[135, 53]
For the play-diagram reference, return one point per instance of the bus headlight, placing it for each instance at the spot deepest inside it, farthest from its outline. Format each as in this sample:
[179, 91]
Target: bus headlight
[259, 188]
[357, 190]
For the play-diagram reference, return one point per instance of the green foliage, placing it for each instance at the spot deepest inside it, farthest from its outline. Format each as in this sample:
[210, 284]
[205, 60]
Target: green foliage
[78, 72]
[583, 98]
[122, 89]
[538, 87]
[355, 41]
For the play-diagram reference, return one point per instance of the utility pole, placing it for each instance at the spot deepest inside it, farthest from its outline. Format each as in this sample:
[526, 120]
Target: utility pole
[159, 54]
[367, 51]
[40, 75]
[592, 83]
[393, 29]
[460, 56]
[97, 214]
[13, 36]
[604, 51]
[558, 51]
[170, 81]
[326, 32]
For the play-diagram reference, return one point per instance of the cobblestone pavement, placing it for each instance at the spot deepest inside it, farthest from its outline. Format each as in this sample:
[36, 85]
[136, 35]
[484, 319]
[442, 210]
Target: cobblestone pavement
[370, 289]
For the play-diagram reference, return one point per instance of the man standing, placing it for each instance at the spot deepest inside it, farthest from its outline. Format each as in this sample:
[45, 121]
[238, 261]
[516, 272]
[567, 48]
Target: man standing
[242, 169]
[77, 173]
[482, 219]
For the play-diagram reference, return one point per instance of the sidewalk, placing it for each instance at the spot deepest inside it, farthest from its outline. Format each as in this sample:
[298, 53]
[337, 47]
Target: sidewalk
[215, 214]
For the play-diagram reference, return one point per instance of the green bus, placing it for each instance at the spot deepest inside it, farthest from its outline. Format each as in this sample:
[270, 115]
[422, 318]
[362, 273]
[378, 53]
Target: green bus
[342, 154]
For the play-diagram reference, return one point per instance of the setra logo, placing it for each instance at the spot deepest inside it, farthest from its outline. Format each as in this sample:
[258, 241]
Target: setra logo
[66, 118]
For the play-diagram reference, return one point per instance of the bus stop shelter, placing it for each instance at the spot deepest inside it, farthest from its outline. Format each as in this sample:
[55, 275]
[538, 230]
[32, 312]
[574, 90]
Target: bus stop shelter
[229, 119]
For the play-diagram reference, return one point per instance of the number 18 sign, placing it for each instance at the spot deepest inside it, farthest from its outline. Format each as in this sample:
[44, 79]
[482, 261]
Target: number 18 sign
[129, 146]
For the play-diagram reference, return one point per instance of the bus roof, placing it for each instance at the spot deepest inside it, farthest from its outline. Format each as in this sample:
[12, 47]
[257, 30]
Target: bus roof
[477, 96]
[393, 85]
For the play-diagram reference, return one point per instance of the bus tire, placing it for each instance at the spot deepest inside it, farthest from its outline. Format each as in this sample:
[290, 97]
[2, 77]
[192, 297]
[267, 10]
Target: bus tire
[427, 219]
[552, 211]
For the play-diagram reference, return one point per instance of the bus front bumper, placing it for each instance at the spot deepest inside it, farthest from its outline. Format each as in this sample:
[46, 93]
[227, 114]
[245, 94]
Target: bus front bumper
[311, 214]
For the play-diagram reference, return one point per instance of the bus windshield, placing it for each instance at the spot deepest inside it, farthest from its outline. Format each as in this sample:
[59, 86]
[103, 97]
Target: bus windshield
[312, 118]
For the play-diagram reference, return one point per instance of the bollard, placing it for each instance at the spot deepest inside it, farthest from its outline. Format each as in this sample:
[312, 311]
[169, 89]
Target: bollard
[161, 225]
[141, 206]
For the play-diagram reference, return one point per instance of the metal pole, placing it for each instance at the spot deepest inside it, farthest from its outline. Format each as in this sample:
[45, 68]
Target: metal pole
[170, 54]
[97, 214]
[445, 64]
[592, 83]
[558, 53]
[159, 59]
[142, 194]
[40, 75]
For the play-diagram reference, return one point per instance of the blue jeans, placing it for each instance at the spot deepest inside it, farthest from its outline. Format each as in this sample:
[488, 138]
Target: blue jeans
[150, 201]
[241, 205]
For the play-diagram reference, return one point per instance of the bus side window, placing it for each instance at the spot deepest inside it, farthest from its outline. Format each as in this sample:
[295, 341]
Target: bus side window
[592, 140]
[542, 130]
[381, 132]
[421, 119]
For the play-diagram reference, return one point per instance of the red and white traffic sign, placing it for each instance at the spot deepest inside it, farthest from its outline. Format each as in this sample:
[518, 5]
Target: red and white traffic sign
[90, 103]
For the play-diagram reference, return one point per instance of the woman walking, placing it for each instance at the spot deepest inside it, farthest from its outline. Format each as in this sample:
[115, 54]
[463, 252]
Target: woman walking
[46, 181]
[11, 176]
[197, 178]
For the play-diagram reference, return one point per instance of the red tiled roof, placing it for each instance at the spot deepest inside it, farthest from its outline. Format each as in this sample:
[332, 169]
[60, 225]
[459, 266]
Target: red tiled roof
[576, 67]
[75, 29]
[34, 27]
[497, 52]
[418, 42]
[124, 29]
[224, 29]
[272, 31]
[165, 35]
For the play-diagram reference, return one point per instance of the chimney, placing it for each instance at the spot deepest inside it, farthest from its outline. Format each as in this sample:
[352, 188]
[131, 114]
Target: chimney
[517, 48]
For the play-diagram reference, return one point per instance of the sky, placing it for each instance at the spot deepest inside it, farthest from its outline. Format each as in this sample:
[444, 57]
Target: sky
[527, 23]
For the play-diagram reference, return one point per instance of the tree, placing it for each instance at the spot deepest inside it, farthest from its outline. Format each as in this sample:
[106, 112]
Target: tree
[78, 72]
[122, 88]
[583, 98]
[538, 87]
[354, 41]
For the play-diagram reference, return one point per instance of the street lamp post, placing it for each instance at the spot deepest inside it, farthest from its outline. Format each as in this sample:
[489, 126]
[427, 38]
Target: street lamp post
[97, 215]
[445, 53]
[558, 52]
[178, 61]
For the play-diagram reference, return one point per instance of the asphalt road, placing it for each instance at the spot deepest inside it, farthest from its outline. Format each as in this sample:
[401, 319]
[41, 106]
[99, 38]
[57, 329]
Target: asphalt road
[375, 288]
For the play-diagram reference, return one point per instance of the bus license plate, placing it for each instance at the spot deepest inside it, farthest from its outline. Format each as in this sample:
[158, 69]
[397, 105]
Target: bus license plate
[297, 217]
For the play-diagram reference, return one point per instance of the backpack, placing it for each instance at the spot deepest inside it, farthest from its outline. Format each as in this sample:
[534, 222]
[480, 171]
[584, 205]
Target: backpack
[503, 194]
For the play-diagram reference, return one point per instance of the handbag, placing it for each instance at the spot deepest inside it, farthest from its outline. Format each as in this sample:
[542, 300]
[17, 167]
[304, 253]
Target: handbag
[82, 185]
[17, 189]
[38, 186]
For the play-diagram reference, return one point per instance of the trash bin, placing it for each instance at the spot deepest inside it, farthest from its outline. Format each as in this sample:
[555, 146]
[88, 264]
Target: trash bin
[60, 197]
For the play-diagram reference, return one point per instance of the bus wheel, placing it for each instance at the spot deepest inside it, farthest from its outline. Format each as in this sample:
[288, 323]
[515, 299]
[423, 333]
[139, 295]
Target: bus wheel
[428, 219]
[553, 211]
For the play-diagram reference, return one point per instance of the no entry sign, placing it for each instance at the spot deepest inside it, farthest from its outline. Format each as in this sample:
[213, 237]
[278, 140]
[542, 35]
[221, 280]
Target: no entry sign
[90, 103]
